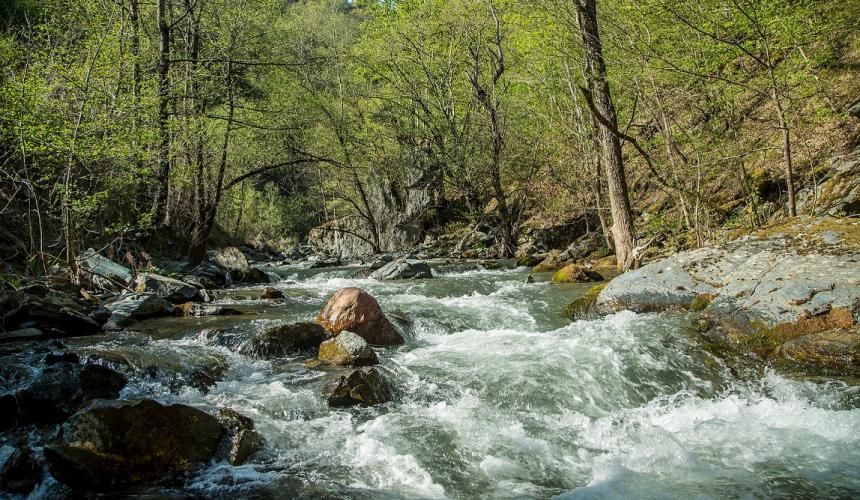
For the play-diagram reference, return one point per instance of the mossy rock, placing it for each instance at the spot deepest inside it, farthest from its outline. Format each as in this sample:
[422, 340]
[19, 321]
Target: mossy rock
[552, 262]
[608, 263]
[574, 273]
[583, 303]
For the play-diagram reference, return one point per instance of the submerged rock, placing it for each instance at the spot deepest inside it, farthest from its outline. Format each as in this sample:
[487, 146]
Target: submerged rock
[355, 310]
[270, 292]
[365, 387]
[113, 444]
[61, 389]
[171, 290]
[403, 269]
[574, 273]
[347, 349]
[283, 339]
[21, 473]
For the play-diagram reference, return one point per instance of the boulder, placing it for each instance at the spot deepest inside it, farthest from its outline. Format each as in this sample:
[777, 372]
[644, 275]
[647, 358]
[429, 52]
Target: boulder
[22, 334]
[574, 273]
[284, 339]
[552, 262]
[231, 259]
[403, 269]
[837, 192]
[365, 387]
[347, 349]
[171, 290]
[270, 292]
[114, 444]
[583, 303]
[103, 272]
[836, 351]
[243, 441]
[355, 310]
[197, 310]
[53, 315]
[128, 308]
[21, 473]
[325, 263]
[61, 389]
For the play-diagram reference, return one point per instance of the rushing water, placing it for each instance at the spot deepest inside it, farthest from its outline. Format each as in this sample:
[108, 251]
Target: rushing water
[497, 396]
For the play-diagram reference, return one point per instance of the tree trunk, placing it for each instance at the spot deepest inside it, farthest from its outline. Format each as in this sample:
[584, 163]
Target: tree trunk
[786, 153]
[595, 69]
[160, 212]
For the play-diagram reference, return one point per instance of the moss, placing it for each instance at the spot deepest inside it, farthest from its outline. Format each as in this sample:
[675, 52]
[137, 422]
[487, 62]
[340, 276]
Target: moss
[574, 273]
[702, 301]
[552, 262]
[583, 303]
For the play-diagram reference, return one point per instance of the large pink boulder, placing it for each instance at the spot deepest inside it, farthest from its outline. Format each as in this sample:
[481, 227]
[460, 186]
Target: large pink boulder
[355, 310]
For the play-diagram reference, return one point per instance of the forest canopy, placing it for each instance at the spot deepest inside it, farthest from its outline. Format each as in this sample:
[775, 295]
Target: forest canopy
[262, 119]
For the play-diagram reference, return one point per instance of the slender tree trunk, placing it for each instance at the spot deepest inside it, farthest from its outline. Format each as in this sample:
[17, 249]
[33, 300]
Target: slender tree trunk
[160, 212]
[786, 153]
[595, 68]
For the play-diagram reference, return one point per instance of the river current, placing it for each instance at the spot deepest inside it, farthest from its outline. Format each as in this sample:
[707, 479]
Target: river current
[497, 396]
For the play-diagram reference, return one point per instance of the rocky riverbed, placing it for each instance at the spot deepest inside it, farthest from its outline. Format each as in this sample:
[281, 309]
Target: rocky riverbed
[444, 379]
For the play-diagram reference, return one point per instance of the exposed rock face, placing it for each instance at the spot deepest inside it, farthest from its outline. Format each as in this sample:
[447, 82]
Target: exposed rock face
[574, 273]
[403, 269]
[772, 295]
[271, 293]
[282, 339]
[839, 191]
[169, 289]
[365, 387]
[61, 389]
[21, 473]
[126, 309]
[355, 310]
[347, 349]
[102, 272]
[114, 444]
[399, 214]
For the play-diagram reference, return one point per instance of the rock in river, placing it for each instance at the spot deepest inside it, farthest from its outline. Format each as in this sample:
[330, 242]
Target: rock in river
[347, 349]
[365, 387]
[21, 473]
[114, 444]
[169, 289]
[403, 269]
[283, 339]
[574, 273]
[61, 389]
[355, 310]
[271, 292]
[126, 309]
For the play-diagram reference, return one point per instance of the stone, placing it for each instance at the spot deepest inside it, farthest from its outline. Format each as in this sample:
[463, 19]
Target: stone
[103, 272]
[582, 304]
[365, 387]
[53, 315]
[355, 310]
[834, 349]
[347, 349]
[270, 292]
[403, 269]
[197, 310]
[171, 290]
[61, 389]
[111, 445]
[574, 273]
[552, 262]
[284, 339]
[243, 441]
[22, 334]
[21, 473]
[129, 308]
[837, 193]
[606, 264]
[231, 259]
[325, 263]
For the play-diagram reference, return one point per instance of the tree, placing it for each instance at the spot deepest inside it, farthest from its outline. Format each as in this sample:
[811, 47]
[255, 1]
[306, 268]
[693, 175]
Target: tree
[597, 84]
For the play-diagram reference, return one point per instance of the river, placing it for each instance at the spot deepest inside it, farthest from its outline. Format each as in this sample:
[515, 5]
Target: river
[497, 396]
